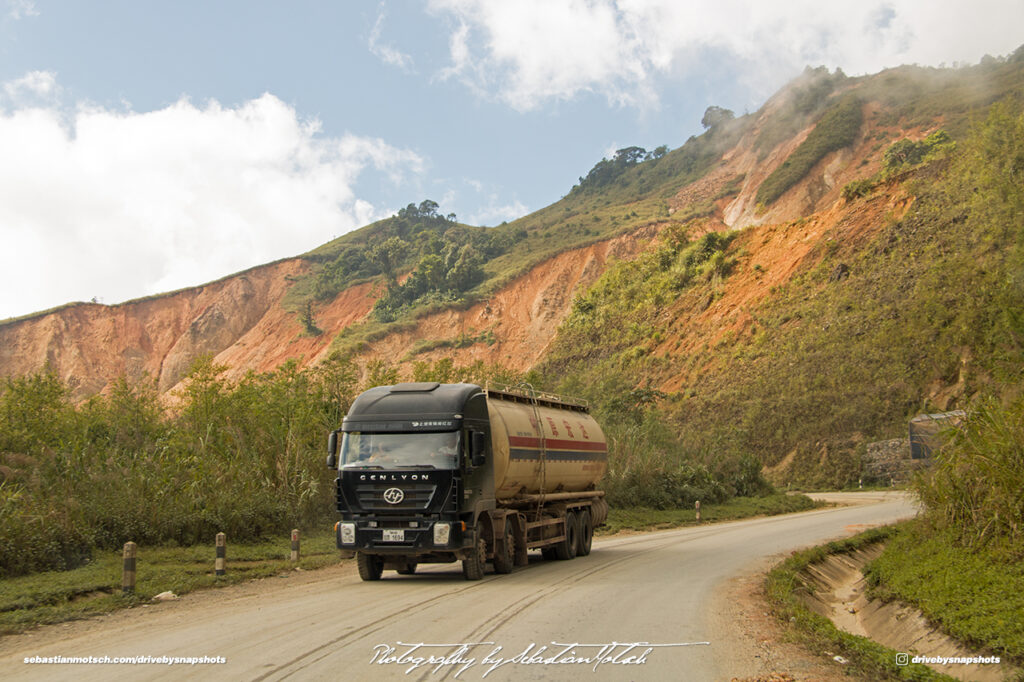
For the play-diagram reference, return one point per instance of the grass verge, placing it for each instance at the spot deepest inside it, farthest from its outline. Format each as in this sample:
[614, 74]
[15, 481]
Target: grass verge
[865, 657]
[974, 593]
[57, 596]
[641, 518]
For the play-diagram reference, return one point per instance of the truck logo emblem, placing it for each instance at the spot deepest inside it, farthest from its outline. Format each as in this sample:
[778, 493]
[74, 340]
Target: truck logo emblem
[393, 495]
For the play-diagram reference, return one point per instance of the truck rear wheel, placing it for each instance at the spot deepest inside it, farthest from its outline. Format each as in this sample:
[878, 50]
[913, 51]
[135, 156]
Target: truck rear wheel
[370, 567]
[473, 567]
[408, 569]
[566, 549]
[586, 533]
[505, 559]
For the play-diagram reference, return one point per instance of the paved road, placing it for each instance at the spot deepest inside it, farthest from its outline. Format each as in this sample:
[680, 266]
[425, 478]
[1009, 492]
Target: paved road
[652, 588]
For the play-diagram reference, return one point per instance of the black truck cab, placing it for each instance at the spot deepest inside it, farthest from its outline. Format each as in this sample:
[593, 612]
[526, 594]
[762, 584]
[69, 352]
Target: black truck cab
[415, 473]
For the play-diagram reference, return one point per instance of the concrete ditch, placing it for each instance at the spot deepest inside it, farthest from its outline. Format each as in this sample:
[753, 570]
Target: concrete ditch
[838, 591]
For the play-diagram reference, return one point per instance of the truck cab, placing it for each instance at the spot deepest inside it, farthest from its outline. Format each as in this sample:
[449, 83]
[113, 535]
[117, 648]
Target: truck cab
[414, 475]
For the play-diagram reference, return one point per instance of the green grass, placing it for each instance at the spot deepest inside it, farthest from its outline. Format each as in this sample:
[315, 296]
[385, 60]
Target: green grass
[975, 594]
[95, 588]
[817, 633]
[643, 519]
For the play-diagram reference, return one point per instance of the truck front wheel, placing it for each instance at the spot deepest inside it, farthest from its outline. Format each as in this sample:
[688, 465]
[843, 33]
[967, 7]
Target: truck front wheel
[505, 559]
[370, 567]
[473, 566]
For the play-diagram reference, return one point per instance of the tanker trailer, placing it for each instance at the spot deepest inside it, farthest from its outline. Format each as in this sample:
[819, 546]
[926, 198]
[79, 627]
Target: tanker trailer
[438, 473]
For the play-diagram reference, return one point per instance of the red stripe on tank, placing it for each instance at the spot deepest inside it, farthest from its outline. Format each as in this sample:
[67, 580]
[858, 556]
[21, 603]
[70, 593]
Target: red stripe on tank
[557, 444]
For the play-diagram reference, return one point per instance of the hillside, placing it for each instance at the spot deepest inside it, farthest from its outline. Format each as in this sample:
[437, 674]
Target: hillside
[827, 238]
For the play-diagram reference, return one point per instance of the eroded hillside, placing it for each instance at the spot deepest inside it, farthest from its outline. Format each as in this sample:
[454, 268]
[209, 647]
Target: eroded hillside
[254, 321]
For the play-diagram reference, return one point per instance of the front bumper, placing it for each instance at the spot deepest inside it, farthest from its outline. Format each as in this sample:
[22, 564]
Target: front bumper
[398, 537]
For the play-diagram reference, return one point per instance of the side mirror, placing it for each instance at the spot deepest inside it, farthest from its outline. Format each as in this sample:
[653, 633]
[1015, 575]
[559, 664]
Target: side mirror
[477, 449]
[332, 450]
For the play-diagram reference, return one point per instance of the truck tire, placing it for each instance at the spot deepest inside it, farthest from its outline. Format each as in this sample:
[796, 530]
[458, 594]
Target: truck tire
[408, 569]
[473, 567]
[370, 567]
[504, 560]
[586, 533]
[548, 553]
[566, 549]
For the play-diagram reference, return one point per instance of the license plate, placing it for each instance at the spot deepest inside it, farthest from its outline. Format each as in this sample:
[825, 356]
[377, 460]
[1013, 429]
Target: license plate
[394, 536]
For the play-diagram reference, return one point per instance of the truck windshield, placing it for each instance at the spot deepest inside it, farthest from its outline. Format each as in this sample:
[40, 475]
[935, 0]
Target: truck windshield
[388, 450]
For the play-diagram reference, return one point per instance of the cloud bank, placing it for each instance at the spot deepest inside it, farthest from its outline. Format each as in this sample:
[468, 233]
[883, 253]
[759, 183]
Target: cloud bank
[122, 204]
[530, 52]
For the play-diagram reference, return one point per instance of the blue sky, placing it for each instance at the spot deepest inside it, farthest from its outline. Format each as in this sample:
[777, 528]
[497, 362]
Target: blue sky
[148, 146]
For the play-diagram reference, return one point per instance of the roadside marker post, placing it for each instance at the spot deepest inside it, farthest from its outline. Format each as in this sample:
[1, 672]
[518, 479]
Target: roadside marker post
[128, 572]
[697, 505]
[295, 544]
[218, 564]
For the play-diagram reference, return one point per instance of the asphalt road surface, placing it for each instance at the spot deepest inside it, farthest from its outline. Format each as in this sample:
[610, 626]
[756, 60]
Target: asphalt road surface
[640, 607]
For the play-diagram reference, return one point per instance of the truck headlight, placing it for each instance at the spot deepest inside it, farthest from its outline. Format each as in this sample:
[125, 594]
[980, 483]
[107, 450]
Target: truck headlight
[347, 531]
[442, 531]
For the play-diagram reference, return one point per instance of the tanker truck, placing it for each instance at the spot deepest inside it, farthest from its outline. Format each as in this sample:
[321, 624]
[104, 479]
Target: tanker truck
[439, 473]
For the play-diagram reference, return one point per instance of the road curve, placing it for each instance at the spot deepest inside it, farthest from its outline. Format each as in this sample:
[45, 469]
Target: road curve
[652, 588]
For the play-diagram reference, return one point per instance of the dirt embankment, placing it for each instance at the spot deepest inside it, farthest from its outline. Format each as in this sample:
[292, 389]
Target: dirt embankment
[90, 345]
[522, 317]
[242, 323]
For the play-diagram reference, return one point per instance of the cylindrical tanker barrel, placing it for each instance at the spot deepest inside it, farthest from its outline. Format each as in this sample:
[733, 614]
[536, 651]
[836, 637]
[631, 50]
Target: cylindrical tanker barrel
[543, 445]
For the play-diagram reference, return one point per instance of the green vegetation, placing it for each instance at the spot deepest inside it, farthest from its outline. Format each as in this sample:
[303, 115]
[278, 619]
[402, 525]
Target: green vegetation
[838, 128]
[973, 593]
[619, 320]
[904, 155]
[829, 362]
[645, 519]
[445, 258]
[961, 563]
[865, 657]
[54, 597]
[606, 172]
[609, 337]
[244, 458]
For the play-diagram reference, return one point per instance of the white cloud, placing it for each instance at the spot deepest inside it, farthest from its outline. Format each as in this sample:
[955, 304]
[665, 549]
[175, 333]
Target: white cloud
[387, 53]
[33, 86]
[496, 212]
[121, 204]
[533, 51]
[18, 9]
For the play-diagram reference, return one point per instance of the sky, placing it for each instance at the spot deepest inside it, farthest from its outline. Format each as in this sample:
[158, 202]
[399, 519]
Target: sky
[151, 146]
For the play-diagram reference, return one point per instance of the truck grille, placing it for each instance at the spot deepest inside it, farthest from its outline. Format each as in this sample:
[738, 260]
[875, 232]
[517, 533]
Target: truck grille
[415, 496]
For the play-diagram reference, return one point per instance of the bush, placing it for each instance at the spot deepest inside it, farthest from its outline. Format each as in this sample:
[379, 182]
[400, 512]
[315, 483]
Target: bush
[976, 484]
[672, 488]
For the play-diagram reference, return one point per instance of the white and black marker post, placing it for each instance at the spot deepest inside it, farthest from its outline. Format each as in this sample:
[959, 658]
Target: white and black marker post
[128, 574]
[218, 564]
[295, 544]
[697, 505]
